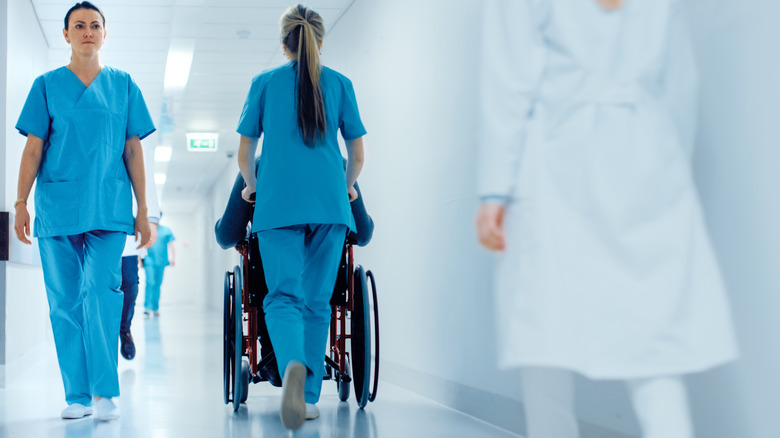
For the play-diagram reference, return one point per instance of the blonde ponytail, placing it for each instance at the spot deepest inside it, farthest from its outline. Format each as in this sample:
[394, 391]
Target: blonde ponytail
[302, 34]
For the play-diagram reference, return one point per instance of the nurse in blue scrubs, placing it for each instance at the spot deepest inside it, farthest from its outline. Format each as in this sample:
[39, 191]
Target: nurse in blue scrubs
[302, 212]
[84, 123]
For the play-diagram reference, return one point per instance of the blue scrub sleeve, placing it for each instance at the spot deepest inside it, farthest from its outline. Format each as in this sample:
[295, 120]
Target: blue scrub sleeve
[350, 124]
[250, 124]
[35, 118]
[139, 122]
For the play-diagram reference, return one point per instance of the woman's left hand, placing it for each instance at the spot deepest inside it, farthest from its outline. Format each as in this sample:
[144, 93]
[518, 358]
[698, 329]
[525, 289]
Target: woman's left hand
[353, 194]
[247, 194]
[490, 226]
[143, 231]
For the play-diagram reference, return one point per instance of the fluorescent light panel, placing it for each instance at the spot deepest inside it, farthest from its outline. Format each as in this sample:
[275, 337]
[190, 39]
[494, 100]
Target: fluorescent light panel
[177, 67]
[159, 178]
[163, 154]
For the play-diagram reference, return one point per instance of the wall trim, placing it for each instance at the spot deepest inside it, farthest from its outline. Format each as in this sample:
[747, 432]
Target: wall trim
[14, 369]
[495, 409]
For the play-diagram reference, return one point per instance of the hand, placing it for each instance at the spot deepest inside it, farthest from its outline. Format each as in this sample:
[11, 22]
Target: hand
[247, 195]
[353, 194]
[153, 237]
[490, 226]
[22, 223]
[143, 231]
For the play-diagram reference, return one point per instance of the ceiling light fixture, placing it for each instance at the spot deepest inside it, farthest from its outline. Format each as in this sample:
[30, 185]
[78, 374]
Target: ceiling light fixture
[159, 178]
[163, 154]
[177, 67]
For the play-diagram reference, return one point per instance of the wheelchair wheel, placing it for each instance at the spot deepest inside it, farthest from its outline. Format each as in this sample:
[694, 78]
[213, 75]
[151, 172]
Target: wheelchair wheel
[227, 338]
[361, 338]
[244, 380]
[342, 383]
[238, 339]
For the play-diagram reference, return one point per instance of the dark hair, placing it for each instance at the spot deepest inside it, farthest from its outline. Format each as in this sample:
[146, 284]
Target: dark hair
[302, 33]
[83, 5]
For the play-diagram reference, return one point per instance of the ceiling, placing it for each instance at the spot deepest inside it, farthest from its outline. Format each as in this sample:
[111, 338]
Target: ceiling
[233, 40]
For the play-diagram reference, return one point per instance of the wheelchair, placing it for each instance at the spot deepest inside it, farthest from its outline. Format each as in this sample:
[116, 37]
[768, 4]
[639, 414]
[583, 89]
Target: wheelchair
[354, 319]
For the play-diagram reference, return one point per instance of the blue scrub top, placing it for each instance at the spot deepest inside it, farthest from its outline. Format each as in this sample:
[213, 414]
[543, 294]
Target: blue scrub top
[83, 184]
[157, 254]
[297, 184]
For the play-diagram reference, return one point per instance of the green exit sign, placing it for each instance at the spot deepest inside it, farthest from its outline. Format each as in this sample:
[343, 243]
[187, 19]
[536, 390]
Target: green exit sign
[203, 142]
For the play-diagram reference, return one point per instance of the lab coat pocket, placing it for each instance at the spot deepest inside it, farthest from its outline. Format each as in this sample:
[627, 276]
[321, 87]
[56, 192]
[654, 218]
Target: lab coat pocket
[58, 203]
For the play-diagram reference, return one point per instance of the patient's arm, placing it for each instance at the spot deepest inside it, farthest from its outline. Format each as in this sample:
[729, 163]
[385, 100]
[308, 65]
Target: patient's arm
[231, 227]
[363, 222]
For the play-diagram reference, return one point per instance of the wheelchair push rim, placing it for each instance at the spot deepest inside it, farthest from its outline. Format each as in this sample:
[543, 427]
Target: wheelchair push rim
[372, 394]
[361, 338]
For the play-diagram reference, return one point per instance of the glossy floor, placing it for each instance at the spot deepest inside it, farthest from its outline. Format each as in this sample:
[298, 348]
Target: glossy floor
[173, 388]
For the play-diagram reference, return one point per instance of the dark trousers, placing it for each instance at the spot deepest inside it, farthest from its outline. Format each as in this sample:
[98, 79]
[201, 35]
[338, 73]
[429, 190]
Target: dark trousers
[130, 288]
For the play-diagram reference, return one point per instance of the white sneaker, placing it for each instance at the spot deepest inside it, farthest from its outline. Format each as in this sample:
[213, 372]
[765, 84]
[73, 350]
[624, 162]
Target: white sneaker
[106, 409]
[293, 411]
[76, 410]
[312, 411]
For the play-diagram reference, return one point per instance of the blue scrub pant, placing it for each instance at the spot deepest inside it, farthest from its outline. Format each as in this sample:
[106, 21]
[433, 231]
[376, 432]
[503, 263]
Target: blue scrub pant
[82, 276]
[154, 278]
[301, 263]
[130, 289]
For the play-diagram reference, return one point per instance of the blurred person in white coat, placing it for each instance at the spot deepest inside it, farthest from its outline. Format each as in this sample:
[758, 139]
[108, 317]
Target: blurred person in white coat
[604, 267]
[130, 257]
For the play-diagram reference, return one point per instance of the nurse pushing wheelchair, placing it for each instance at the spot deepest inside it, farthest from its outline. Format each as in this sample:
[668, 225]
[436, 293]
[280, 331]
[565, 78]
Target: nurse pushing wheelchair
[354, 322]
[302, 213]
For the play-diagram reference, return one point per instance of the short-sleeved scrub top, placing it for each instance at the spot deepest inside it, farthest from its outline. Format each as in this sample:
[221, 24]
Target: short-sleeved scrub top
[298, 184]
[83, 184]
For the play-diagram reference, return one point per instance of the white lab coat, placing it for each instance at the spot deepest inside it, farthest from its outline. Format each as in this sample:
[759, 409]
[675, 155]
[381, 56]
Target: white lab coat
[152, 204]
[588, 119]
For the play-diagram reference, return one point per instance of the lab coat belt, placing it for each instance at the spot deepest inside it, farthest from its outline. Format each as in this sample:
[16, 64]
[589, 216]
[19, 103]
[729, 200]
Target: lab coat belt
[604, 91]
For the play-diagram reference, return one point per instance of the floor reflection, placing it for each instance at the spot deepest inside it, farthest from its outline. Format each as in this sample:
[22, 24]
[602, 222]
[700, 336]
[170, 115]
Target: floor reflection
[173, 388]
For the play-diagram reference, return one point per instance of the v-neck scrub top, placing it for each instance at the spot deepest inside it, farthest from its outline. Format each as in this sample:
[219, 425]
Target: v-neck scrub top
[297, 184]
[82, 181]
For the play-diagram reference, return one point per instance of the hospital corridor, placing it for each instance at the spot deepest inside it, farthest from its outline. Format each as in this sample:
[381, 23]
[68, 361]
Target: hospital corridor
[389, 219]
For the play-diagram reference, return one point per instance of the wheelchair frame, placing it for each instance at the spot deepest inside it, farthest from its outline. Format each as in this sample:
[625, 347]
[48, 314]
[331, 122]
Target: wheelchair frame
[351, 300]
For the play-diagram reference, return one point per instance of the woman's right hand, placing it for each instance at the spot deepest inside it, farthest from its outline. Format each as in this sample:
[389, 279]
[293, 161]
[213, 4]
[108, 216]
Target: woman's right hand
[22, 223]
[353, 194]
[248, 195]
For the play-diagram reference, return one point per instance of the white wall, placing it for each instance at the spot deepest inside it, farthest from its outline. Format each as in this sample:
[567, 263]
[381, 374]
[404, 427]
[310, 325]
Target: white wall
[736, 167]
[3, 87]
[26, 310]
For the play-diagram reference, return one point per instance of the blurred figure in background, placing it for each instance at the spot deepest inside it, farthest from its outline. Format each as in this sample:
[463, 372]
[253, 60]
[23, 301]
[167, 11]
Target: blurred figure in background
[130, 260]
[606, 269]
[158, 256]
